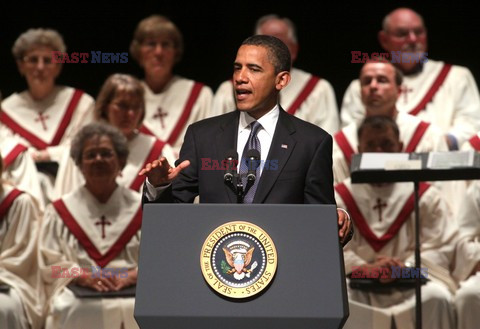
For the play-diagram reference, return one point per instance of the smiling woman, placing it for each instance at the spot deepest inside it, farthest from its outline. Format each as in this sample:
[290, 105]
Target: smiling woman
[45, 116]
[97, 225]
[120, 103]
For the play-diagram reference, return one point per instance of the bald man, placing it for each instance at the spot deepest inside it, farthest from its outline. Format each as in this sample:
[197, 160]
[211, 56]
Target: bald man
[307, 96]
[440, 93]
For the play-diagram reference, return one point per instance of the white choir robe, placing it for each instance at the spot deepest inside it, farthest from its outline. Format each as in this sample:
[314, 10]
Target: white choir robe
[22, 306]
[170, 112]
[467, 298]
[454, 106]
[71, 237]
[64, 112]
[318, 104]
[19, 169]
[142, 150]
[393, 236]
[416, 135]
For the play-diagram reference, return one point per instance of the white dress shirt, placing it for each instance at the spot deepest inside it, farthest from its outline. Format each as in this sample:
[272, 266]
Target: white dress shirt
[264, 134]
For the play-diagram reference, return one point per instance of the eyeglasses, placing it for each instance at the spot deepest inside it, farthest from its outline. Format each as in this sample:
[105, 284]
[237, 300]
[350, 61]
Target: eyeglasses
[92, 154]
[151, 45]
[403, 33]
[125, 107]
[34, 60]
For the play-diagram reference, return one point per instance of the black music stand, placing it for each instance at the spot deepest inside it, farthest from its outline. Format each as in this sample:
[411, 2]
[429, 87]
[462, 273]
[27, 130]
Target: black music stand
[425, 173]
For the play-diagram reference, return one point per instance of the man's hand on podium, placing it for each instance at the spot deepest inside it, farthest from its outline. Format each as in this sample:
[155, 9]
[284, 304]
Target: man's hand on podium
[345, 231]
[159, 172]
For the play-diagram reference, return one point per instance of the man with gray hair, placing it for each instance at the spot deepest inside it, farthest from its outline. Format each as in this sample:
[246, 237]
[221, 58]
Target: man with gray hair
[437, 92]
[307, 96]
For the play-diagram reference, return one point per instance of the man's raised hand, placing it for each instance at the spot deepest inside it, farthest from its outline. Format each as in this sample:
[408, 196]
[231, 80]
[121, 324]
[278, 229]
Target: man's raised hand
[159, 172]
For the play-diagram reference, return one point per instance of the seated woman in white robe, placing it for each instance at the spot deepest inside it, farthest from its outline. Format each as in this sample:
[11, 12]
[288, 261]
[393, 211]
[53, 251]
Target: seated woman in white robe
[45, 116]
[173, 102]
[95, 226]
[20, 292]
[19, 168]
[121, 104]
[467, 260]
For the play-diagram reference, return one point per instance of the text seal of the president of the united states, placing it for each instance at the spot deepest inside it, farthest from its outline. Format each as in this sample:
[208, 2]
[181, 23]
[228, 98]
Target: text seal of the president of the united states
[238, 259]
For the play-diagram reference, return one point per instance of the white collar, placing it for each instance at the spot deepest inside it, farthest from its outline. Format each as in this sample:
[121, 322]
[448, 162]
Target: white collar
[268, 120]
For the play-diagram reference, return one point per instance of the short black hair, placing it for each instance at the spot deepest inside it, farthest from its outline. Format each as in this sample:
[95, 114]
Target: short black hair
[278, 52]
[378, 122]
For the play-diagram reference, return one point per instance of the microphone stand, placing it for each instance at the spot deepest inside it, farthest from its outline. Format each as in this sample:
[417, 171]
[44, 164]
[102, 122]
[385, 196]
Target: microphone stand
[233, 179]
[237, 187]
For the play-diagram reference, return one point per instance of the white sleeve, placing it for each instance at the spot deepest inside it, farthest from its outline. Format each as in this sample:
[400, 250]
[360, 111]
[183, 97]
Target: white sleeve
[352, 108]
[466, 122]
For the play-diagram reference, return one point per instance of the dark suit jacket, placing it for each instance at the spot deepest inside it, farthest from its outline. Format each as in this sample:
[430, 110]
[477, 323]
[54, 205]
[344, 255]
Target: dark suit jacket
[303, 175]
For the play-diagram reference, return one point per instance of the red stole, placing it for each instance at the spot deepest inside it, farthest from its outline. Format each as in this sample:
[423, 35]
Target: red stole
[377, 243]
[101, 260]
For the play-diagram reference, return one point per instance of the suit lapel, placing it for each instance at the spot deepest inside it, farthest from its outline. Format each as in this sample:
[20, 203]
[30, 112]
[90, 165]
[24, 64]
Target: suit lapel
[227, 140]
[281, 149]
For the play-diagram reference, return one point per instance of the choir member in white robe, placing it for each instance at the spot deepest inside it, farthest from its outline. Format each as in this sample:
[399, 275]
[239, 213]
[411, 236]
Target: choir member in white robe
[380, 88]
[19, 168]
[120, 102]
[97, 224]
[443, 94]
[383, 216]
[307, 96]
[21, 303]
[172, 102]
[45, 116]
[467, 261]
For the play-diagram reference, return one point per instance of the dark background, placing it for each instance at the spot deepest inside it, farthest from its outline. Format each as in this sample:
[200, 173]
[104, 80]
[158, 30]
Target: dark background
[213, 31]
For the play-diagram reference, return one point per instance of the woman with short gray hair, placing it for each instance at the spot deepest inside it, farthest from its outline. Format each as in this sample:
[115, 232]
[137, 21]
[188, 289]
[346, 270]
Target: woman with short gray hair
[45, 115]
[93, 233]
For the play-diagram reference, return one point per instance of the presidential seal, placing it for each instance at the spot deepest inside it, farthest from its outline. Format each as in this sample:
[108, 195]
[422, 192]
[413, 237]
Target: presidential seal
[238, 259]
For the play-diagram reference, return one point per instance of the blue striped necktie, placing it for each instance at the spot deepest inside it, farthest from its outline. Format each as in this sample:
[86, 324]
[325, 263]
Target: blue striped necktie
[252, 143]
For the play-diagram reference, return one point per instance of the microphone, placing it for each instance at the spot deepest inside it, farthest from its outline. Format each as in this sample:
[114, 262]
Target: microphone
[253, 161]
[231, 160]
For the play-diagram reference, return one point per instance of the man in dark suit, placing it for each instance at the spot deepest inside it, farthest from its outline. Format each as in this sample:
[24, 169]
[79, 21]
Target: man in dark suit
[296, 156]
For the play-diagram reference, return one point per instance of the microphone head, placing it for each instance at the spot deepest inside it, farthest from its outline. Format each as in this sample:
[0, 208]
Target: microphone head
[231, 154]
[253, 154]
[253, 159]
[231, 159]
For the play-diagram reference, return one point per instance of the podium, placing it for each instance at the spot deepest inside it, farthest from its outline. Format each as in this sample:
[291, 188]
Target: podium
[423, 171]
[307, 290]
